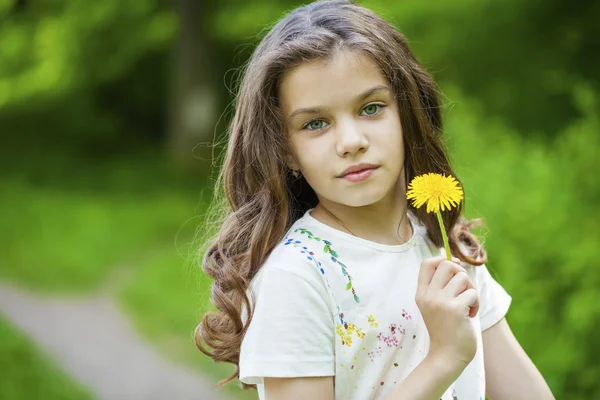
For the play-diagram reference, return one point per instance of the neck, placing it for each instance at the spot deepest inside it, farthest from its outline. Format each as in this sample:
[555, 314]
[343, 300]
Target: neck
[384, 222]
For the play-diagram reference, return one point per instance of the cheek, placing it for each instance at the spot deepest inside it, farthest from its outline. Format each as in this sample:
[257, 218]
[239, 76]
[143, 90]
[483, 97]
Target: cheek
[310, 155]
[389, 139]
[314, 168]
[313, 165]
[393, 147]
[295, 153]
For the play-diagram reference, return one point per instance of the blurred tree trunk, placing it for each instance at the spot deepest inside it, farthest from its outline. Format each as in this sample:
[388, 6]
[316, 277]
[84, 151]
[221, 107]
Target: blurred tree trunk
[193, 104]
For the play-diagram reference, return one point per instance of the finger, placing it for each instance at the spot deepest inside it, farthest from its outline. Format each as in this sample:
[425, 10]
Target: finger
[458, 284]
[445, 271]
[469, 298]
[428, 267]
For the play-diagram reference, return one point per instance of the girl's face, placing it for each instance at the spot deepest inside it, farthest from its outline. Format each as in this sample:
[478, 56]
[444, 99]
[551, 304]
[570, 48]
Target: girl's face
[340, 113]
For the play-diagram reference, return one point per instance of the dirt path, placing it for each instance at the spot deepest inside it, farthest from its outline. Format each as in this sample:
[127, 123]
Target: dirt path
[94, 342]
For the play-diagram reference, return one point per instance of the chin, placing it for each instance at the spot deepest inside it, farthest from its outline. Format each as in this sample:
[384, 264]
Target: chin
[366, 198]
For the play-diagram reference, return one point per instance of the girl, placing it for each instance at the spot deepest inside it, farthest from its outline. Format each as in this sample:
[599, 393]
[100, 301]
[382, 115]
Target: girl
[329, 284]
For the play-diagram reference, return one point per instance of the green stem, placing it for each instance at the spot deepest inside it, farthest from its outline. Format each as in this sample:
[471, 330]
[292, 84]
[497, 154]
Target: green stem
[444, 236]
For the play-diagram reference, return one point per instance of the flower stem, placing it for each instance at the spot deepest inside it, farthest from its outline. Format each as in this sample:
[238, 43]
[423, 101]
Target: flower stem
[444, 236]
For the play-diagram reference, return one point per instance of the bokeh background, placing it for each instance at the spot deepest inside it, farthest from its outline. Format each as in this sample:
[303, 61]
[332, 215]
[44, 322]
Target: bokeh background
[113, 112]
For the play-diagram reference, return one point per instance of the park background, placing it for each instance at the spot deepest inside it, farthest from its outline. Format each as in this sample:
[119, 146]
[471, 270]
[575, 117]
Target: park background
[112, 114]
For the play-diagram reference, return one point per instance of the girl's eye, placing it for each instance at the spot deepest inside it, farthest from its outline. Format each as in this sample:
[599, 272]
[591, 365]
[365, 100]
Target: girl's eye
[368, 110]
[315, 125]
[372, 109]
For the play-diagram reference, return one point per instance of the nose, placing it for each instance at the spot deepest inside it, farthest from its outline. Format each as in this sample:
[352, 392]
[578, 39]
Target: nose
[350, 138]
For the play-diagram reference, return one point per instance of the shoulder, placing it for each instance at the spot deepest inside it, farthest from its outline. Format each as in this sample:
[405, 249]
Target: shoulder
[297, 250]
[295, 256]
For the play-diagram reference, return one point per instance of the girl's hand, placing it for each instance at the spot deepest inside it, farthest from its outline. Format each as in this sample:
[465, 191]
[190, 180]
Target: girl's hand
[447, 299]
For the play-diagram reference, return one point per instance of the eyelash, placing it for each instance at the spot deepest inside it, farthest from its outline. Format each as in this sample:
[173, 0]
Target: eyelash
[380, 110]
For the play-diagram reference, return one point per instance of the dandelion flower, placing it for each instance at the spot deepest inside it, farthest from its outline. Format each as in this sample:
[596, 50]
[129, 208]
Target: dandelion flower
[438, 191]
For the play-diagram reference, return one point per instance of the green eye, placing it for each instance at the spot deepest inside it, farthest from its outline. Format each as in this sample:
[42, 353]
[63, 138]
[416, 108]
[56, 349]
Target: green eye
[315, 125]
[371, 109]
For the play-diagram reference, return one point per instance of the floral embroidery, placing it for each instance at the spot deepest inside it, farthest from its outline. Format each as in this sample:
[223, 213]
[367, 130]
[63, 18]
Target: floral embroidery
[392, 340]
[334, 257]
[304, 231]
[349, 327]
[310, 257]
[375, 353]
[346, 330]
[347, 336]
[372, 321]
[405, 314]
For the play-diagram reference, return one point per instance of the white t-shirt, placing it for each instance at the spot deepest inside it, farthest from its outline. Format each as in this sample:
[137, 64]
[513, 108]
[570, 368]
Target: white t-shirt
[332, 304]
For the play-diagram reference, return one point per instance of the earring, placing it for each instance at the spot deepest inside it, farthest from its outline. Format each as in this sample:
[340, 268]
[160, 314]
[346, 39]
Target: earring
[296, 173]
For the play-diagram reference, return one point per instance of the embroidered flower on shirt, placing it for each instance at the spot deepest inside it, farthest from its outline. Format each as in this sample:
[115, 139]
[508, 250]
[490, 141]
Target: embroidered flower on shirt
[334, 257]
[378, 352]
[346, 331]
[372, 321]
[311, 257]
[392, 340]
[405, 314]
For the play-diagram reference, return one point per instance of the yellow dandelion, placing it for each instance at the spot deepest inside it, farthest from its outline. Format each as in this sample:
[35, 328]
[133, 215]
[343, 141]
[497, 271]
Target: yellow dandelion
[440, 192]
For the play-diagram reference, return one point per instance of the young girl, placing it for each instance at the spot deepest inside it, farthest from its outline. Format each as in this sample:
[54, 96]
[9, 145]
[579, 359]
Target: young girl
[330, 285]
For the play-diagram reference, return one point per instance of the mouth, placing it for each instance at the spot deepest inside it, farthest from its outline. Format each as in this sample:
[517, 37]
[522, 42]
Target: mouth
[360, 175]
[357, 168]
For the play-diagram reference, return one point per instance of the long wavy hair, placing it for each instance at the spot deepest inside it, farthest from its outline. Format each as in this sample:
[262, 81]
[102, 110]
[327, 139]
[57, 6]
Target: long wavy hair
[256, 197]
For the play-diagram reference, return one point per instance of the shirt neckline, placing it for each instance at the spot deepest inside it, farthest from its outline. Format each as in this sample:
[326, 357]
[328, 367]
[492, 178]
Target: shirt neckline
[390, 248]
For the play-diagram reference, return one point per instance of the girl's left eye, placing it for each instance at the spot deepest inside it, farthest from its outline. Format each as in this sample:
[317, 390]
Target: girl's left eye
[372, 109]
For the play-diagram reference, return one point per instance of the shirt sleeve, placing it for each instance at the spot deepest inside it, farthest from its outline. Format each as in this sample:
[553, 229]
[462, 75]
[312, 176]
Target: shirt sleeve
[494, 301]
[292, 331]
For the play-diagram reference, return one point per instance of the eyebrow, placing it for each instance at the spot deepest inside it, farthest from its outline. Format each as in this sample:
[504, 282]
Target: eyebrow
[362, 96]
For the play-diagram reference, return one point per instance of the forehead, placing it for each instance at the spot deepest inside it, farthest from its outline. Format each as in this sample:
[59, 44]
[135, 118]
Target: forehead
[330, 82]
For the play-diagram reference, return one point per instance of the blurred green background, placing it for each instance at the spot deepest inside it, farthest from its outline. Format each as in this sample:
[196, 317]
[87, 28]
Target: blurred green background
[109, 111]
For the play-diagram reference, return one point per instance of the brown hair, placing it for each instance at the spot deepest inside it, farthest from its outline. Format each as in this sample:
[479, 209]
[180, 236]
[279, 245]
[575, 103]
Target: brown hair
[256, 194]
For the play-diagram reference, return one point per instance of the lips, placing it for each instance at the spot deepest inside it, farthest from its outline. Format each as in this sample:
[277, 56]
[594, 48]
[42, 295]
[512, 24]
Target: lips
[359, 176]
[357, 168]
[357, 172]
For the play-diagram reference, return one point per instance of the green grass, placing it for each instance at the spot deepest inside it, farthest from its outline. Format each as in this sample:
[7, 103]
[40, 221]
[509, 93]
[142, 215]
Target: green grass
[27, 374]
[69, 234]
[127, 223]
[165, 299]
